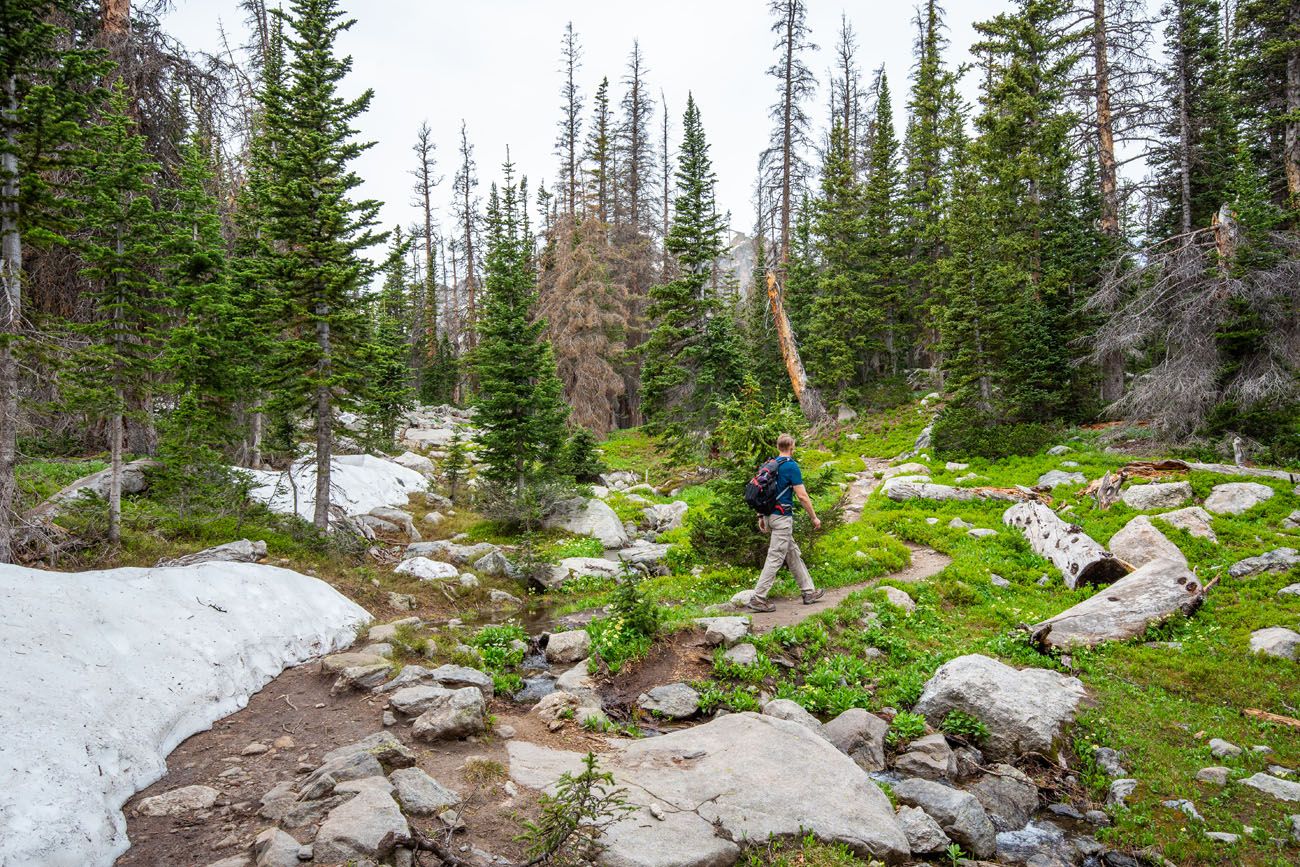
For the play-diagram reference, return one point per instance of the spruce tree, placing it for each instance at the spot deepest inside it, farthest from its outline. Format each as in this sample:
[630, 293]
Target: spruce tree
[388, 390]
[521, 414]
[201, 352]
[48, 95]
[883, 263]
[123, 234]
[320, 231]
[692, 358]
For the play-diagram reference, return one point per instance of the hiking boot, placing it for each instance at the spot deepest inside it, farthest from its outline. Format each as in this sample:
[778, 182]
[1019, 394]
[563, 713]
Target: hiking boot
[760, 605]
[812, 596]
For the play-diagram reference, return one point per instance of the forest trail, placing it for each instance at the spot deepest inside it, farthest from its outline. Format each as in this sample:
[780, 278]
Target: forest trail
[926, 562]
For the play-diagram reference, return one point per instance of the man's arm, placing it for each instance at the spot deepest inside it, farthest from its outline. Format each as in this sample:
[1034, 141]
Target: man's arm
[802, 493]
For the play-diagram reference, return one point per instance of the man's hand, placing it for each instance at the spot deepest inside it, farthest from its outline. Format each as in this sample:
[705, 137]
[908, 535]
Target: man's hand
[817, 523]
[762, 524]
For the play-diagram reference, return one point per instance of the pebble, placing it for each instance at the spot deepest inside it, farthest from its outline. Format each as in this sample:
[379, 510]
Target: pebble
[1261, 749]
[1221, 749]
[555, 725]
[254, 749]
[305, 852]
[236, 771]
[657, 811]
[389, 719]
[1184, 806]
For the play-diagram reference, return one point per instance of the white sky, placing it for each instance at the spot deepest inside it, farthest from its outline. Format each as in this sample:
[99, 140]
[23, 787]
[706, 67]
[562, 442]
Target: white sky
[495, 63]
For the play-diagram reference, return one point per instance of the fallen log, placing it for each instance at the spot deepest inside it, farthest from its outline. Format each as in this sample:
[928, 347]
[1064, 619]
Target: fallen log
[1233, 470]
[1106, 489]
[1079, 557]
[904, 488]
[1272, 717]
[1124, 610]
[242, 551]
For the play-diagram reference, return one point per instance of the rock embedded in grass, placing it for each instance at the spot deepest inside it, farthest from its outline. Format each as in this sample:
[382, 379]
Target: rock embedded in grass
[898, 598]
[1138, 543]
[741, 654]
[1215, 776]
[427, 570]
[1120, 790]
[1157, 495]
[1276, 641]
[1282, 790]
[1234, 498]
[724, 631]
[1277, 560]
[1221, 749]
[674, 701]
[1056, 478]
[1193, 519]
[1290, 590]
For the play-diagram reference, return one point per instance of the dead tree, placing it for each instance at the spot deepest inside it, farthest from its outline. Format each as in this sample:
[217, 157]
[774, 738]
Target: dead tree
[810, 400]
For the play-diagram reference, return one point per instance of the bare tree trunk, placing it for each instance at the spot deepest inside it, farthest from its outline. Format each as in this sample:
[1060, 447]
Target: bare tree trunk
[324, 423]
[663, 103]
[1107, 173]
[787, 145]
[116, 433]
[115, 16]
[255, 447]
[809, 399]
[1291, 129]
[11, 311]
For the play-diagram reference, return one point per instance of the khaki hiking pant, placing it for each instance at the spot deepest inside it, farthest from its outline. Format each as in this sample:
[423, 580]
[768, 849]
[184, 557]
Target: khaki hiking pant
[782, 550]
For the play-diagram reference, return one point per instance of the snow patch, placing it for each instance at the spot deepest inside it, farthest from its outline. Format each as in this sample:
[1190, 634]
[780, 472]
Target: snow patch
[106, 672]
[358, 483]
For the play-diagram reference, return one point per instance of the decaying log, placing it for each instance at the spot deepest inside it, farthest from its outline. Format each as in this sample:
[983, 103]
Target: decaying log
[911, 488]
[810, 401]
[1233, 470]
[1272, 717]
[1124, 610]
[1106, 489]
[1079, 557]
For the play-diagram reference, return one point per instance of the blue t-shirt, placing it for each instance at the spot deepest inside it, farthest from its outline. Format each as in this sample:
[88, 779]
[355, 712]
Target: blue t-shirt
[787, 476]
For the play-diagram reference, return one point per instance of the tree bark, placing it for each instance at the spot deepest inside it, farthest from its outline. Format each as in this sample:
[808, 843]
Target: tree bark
[324, 423]
[255, 447]
[11, 311]
[115, 16]
[116, 433]
[809, 400]
[1112, 365]
[1079, 557]
[1125, 609]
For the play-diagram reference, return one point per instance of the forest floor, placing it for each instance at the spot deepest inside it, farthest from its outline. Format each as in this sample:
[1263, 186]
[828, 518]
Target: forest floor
[1157, 700]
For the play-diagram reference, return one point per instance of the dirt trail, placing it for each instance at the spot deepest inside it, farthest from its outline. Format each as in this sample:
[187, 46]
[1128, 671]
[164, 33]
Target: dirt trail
[925, 563]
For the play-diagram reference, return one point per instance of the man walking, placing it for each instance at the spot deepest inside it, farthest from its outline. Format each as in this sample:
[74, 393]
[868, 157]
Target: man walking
[783, 549]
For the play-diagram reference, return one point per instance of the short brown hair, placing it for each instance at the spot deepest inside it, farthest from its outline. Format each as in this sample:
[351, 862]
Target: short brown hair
[784, 443]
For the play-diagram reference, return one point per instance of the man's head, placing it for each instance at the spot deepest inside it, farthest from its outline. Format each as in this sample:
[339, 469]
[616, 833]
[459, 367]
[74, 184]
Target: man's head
[785, 444]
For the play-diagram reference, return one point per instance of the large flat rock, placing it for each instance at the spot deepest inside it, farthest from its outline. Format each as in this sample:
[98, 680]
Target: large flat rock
[735, 772]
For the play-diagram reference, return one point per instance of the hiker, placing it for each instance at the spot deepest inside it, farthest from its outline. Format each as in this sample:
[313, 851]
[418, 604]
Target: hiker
[771, 493]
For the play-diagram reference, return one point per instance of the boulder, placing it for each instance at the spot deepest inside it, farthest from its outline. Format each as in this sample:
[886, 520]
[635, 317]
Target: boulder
[1277, 560]
[388, 631]
[845, 413]
[177, 802]
[242, 551]
[134, 481]
[1138, 543]
[744, 654]
[577, 681]
[1282, 790]
[902, 489]
[1025, 710]
[568, 647]
[1056, 478]
[908, 469]
[494, 564]
[1276, 641]
[1221, 749]
[1215, 776]
[1057, 451]
[384, 747]
[724, 631]
[420, 794]
[791, 711]
[419, 463]
[1125, 609]
[275, 848]
[674, 701]
[1158, 495]
[648, 556]
[1234, 498]
[860, 736]
[356, 828]
[415, 700]
[361, 677]
[729, 780]
[1292, 521]
[451, 552]
[581, 567]
[662, 517]
[924, 836]
[1193, 519]
[458, 713]
[501, 597]
[427, 570]
[457, 676]
[1290, 590]
[898, 598]
[959, 814]
[928, 757]
[402, 519]
[593, 517]
[1008, 795]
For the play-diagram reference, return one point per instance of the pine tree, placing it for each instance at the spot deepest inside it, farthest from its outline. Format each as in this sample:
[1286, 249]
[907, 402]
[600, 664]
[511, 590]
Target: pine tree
[692, 357]
[320, 230]
[200, 354]
[388, 390]
[883, 262]
[763, 358]
[425, 325]
[567, 145]
[598, 157]
[520, 411]
[48, 95]
[1266, 84]
[120, 248]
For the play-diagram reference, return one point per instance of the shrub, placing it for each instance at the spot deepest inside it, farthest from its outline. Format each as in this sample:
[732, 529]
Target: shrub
[500, 655]
[631, 627]
[964, 725]
[961, 432]
[580, 458]
[526, 509]
[573, 819]
[907, 726]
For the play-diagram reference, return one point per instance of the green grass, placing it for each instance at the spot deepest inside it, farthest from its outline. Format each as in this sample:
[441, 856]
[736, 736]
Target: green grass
[40, 479]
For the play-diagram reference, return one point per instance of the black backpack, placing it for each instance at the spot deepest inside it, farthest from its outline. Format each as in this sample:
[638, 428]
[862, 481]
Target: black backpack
[761, 492]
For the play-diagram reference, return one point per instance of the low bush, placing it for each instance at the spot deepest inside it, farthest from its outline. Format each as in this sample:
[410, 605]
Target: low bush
[969, 433]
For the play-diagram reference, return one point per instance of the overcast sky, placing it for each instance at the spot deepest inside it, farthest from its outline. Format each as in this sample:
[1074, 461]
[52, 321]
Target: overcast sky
[495, 64]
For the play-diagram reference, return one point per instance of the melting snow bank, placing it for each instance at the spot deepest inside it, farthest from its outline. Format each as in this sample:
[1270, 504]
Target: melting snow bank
[358, 483]
[106, 672]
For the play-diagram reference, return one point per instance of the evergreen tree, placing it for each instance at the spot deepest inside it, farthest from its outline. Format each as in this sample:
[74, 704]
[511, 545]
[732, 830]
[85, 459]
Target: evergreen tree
[123, 233]
[598, 157]
[200, 354]
[48, 95]
[763, 360]
[520, 411]
[883, 263]
[453, 466]
[692, 357]
[1266, 86]
[388, 391]
[320, 232]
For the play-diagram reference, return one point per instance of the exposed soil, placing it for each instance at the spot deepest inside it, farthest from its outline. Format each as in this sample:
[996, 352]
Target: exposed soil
[681, 658]
[925, 563]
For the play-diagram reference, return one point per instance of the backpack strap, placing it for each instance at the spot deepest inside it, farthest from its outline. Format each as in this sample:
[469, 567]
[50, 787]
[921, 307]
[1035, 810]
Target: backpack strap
[780, 459]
